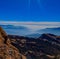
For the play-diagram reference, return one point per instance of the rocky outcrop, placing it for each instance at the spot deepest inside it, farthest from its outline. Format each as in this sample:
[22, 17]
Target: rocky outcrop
[7, 51]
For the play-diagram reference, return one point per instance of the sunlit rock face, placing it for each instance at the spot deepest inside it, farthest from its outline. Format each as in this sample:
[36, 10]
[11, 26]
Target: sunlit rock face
[7, 51]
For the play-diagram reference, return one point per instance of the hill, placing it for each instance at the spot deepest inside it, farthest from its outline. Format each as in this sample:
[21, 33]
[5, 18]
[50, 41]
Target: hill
[47, 46]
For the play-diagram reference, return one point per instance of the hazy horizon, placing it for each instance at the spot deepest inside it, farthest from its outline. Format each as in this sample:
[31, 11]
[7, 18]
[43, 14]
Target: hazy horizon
[27, 28]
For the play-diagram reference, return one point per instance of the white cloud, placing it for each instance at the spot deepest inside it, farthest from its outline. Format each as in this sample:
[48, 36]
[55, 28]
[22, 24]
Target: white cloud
[33, 25]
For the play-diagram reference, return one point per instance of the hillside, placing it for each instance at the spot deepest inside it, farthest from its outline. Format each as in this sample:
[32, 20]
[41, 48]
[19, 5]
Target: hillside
[47, 46]
[7, 50]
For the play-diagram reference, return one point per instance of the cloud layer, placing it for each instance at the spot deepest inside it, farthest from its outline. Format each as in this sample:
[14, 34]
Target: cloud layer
[27, 28]
[33, 25]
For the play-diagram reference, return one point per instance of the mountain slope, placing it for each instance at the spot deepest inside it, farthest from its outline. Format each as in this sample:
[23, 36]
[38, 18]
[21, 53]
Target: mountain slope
[7, 50]
[47, 46]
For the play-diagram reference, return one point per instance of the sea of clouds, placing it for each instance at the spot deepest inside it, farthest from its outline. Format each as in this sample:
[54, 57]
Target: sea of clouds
[31, 27]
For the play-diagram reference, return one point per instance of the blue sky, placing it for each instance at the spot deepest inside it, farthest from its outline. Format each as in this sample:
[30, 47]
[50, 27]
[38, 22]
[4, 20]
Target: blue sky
[30, 10]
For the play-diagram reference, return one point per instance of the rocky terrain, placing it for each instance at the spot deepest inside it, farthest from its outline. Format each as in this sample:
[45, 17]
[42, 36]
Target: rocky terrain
[7, 50]
[47, 46]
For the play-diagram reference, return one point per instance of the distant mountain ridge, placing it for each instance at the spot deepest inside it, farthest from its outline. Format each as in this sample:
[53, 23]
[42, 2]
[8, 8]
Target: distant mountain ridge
[13, 27]
[34, 35]
[25, 31]
[55, 31]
